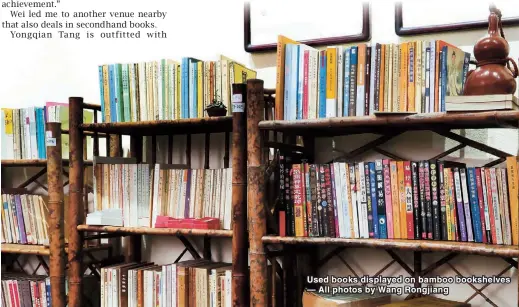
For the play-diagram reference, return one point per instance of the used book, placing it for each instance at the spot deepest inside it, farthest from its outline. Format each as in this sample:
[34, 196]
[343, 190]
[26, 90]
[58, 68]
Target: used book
[313, 299]
[482, 103]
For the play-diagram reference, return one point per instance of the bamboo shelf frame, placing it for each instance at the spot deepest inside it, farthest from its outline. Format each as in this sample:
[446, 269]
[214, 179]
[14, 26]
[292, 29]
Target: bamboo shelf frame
[156, 231]
[265, 245]
[33, 162]
[78, 232]
[410, 245]
[42, 250]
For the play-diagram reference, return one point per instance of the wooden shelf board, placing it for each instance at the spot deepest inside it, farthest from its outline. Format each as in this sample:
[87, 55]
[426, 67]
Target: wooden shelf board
[156, 231]
[34, 162]
[29, 249]
[380, 124]
[165, 127]
[413, 245]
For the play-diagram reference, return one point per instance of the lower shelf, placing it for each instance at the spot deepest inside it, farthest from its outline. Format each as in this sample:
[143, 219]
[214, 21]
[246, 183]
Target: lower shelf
[156, 231]
[42, 250]
[413, 245]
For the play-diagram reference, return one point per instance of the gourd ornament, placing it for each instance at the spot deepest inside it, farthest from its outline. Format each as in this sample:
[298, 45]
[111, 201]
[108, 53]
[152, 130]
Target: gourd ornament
[493, 73]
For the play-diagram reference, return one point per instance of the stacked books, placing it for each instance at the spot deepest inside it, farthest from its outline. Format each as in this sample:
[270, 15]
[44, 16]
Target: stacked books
[24, 219]
[166, 89]
[481, 103]
[189, 283]
[25, 290]
[366, 79]
[143, 191]
[23, 130]
[387, 199]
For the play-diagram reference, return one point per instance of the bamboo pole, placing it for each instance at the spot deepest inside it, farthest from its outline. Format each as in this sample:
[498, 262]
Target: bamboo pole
[75, 210]
[256, 195]
[239, 196]
[56, 212]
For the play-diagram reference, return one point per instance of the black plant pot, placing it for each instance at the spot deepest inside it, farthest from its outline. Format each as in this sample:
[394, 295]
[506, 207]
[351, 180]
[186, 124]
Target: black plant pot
[213, 112]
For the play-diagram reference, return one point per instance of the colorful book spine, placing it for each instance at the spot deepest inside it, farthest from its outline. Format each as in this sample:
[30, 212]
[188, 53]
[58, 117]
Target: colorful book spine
[346, 91]
[474, 205]
[374, 200]
[322, 83]
[389, 203]
[352, 109]
[435, 202]
[381, 205]
[459, 206]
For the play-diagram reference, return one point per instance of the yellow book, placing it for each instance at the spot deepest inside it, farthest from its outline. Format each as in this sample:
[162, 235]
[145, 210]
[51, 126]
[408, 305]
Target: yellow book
[298, 200]
[513, 192]
[280, 76]
[403, 205]
[411, 79]
[331, 81]
[396, 74]
[395, 200]
[178, 92]
[403, 77]
[388, 75]
[200, 91]
[106, 92]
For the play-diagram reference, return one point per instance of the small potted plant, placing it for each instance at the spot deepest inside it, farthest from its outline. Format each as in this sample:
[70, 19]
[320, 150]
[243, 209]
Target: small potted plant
[216, 108]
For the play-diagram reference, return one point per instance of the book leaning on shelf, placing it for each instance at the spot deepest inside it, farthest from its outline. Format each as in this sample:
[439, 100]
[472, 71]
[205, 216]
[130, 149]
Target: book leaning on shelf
[367, 78]
[144, 192]
[386, 199]
[23, 130]
[187, 283]
[167, 89]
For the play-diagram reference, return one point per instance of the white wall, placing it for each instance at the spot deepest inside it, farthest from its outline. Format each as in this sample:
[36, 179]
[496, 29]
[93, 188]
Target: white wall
[33, 72]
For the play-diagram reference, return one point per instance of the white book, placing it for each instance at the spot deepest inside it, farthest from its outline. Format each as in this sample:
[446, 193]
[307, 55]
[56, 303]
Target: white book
[389, 88]
[206, 85]
[133, 92]
[312, 84]
[484, 181]
[218, 81]
[228, 202]
[480, 106]
[228, 292]
[171, 90]
[173, 283]
[496, 204]
[345, 204]
[339, 198]
[432, 75]
[505, 214]
[353, 191]
[27, 134]
[466, 204]
[340, 80]
[418, 76]
[193, 193]
[156, 205]
[143, 98]
[155, 87]
[225, 84]
[292, 85]
[160, 85]
[372, 84]
[363, 202]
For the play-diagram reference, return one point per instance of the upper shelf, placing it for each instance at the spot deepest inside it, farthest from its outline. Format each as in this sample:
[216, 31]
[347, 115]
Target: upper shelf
[27, 249]
[33, 162]
[156, 231]
[165, 127]
[381, 123]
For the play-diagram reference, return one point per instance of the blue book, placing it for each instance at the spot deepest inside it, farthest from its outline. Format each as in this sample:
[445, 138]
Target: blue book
[288, 74]
[443, 58]
[102, 92]
[465, 68]
[346, 91]
[354, 51]
[42, 120]
[381, 204]
[111, 83]
[373, 187]
[38, 132]
[322, 84]
[292, 103]
[47, 290]
[184, 112]
[193, 106]
[119, 101]
[474, 205]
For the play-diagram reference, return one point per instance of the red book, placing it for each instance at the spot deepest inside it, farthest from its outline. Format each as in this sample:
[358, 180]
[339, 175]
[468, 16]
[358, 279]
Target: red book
[308, 218]
[389, 203]
[282, 224]
[304, 169]
[490, 206]
[481, 201]
[409, 199]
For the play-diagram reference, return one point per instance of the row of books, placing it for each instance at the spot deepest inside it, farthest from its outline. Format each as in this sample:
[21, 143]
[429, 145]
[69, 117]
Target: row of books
[143, 191]
[24, 290]
[24, 219]
[167, 89]
[188, 283]
[23, 130]
[389, 199]
[367, 78]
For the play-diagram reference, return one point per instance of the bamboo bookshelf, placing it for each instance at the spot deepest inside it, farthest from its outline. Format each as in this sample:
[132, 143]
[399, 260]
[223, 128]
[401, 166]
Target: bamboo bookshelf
[79, 232]
[266, 245]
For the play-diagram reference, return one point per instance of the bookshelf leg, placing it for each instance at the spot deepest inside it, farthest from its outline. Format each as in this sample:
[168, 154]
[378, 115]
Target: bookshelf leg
[256, 195]
[56, 211]
[75, 210]
[207, 248]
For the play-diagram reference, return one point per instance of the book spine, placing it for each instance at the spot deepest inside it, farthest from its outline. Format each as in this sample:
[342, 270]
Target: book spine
[376, 80]
[340, 79]
[443, 201]
[350, 231]
[374, 199]
[474, 205]
[411, 73]
[435, 201]
[335, 199]
[361, 80]
[402, 200]
[387, 196]
[452, 198]
[484, 198]
[322, 84]
[369, 204]
[352, 109]
[354, 196]
[444, 56]
[308, 200]
[344, 219]
[20, 219]
[395, 199]
[423, 210]
[298, 200]
[428, 200]
[331, 82]
[282, 198]
[315, 196]
[459, 205]
[496, 205]
[408, 190]
[367, 81]
[416, 200]
[491, 204]
[466, 204]
[306, 62]
[505, 214]
[320, 231]
[513, 192]
[346, 91]
[288, 93]
[330, 208]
